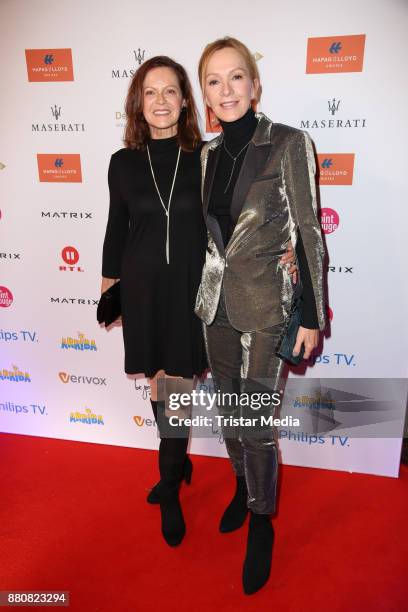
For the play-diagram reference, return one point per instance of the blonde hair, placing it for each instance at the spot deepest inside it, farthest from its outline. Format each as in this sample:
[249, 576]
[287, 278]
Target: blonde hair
[233, 43]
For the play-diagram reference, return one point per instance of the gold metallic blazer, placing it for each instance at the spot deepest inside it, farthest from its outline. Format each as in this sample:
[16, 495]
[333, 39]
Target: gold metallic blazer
[274, 197]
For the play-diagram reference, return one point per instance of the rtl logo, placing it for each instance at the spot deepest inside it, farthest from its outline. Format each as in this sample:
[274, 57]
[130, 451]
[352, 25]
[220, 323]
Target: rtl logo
[70, 255]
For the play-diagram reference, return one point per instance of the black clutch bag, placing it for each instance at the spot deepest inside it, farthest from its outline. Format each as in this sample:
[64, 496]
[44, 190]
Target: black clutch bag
[287, 340]
[109, 305]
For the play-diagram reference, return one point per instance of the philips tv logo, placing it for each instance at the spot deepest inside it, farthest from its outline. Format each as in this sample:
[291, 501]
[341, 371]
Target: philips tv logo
[335, 54]
[45, 65]
[336, 168]
[59, 168]
[78, 344]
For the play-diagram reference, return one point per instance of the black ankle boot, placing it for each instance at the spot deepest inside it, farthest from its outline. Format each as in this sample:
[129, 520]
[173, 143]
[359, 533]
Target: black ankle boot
[257, 564]
[235, 514]
[154, 495]
[172, 520]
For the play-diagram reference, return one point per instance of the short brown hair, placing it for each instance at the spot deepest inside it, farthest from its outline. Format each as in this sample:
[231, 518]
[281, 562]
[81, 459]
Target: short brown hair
[234, 43]
[137, 131]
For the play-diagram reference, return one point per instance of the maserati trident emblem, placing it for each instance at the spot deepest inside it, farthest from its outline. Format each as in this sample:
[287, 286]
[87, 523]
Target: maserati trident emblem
[334, 106]
[56, 111]
[139, 56]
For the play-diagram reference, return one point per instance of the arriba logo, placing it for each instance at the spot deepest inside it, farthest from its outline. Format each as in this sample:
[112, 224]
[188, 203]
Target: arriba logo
[70, 255]
[59, 167]
[85, 380]
[126, 73]
[88, 417]
[336, 168]
[53, 126]
[15, 375]
[49, 65]
[335, 54]
[78, 344]
[6, 297]
[329, 220]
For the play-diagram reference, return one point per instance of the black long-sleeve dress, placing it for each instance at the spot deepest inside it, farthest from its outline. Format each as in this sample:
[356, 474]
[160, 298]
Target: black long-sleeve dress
[160, 329]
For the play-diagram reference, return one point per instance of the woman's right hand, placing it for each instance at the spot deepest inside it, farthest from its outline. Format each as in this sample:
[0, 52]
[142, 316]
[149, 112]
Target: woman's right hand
[107, 283]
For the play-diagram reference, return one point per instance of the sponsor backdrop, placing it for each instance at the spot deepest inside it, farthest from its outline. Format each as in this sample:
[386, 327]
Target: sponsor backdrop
[339, 74]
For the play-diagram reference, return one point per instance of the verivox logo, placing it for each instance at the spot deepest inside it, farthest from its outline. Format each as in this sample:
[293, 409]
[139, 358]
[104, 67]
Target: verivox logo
[6, 297]
[85, 380]
[141, 421]
[329, 220]
[59, 167]
[336, 168]
[335, 54]
[49, 65]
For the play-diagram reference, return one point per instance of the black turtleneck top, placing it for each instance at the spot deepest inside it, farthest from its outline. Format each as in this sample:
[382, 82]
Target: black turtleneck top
[237, 136]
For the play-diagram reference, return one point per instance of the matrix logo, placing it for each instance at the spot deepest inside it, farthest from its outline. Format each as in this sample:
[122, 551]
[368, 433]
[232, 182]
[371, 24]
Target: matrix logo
[70, 255]
[336, 168]
[45, 65]
[335, 47]
[6, 297]
[78, 344]
[335, 54]
[57, 168]
[85, 380]
[329, 220]
[15, 375]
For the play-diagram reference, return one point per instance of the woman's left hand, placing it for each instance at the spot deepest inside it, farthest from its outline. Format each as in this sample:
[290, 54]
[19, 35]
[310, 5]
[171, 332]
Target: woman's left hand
[308, 337]
[289, 259]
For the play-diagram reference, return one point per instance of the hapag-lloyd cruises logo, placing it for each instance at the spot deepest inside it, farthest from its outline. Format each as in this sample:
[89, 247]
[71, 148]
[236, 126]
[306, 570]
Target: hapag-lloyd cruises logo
[126, 73]
[62, 127]
[335, 54]
[336, 168]
[335, 118]
[59, 167]
[45, 65]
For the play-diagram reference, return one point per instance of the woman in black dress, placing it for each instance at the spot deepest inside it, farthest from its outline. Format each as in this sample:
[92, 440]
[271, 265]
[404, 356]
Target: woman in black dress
[155, 244]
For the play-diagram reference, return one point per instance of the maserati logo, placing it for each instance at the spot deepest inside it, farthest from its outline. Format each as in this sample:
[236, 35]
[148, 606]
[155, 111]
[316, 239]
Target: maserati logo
[56, 111]
[139, 56]
[333, 105]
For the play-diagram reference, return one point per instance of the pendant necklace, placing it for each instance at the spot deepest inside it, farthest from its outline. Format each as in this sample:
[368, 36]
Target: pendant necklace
[166, 209]
[234, 159]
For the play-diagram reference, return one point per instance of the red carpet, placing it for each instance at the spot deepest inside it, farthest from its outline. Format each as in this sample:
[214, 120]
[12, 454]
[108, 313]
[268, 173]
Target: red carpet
[74, 518]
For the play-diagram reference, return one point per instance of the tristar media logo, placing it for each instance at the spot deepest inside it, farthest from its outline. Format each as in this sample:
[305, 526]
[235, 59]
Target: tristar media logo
[336, 168]
[6, 297]
[334, 118]
[87, 417]
[126, 73]
[78, 344]
[329, 220]
[335, 54]
[49, 65]
[62, 127]
[59, 167]
[70, 256]
[15, 375]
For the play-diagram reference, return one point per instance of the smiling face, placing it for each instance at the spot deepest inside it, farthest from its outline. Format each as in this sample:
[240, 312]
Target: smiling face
[162, 102]
[228, 87]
